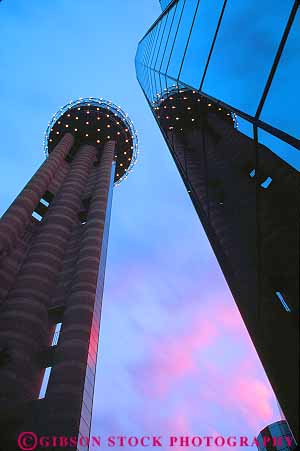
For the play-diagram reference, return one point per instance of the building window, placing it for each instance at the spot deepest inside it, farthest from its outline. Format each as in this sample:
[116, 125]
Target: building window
[44, 385]
[284, 304]
[44, 202]
[48, 360]
[56, 334]
[266, 183]
[37, 216]
[43, 205]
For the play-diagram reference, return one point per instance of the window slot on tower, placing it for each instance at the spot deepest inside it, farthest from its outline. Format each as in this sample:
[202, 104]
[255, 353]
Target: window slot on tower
[56, 334]
[37, 216]
[284, 304]
[43, 205]
[266, 183]
[84, 212]
[82, 215]
[47, 359]
[47, 355]
[41, 209]
[44, 202]
[44, 385]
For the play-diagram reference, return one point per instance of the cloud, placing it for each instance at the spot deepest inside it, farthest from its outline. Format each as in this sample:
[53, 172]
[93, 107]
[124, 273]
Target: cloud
[172, 358]
[197, 367]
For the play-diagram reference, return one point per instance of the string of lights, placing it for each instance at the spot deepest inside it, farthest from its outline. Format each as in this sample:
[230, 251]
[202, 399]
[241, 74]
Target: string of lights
[112, 110]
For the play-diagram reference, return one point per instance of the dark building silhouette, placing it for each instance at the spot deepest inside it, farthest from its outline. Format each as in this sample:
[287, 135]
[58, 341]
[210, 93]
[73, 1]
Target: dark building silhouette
[53, 242]
[222, 108]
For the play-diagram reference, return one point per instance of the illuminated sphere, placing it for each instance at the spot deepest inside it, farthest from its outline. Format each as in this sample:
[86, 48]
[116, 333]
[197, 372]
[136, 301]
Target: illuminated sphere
[90, 120]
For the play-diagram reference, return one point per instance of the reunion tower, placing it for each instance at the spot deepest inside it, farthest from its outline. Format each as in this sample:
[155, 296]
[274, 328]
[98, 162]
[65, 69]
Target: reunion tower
[53, 243]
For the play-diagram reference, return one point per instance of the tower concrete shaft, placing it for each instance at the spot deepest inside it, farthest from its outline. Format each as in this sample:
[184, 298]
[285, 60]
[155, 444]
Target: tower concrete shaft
[18, 216]
[53, 242]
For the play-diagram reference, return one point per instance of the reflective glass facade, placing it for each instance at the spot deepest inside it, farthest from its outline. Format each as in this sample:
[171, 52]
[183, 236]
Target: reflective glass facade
[276, 437]
[235, 52]
[221, 80]
[164, 3]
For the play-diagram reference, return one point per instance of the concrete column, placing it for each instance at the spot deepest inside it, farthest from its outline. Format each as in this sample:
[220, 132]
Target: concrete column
[24, 321]
[18, 216]
[75, 352]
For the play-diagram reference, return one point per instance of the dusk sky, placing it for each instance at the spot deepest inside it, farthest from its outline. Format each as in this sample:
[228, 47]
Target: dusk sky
[174, 356]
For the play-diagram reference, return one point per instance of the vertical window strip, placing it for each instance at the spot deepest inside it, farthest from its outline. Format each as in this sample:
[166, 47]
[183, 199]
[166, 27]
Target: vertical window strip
[44, 385]
[56, 334]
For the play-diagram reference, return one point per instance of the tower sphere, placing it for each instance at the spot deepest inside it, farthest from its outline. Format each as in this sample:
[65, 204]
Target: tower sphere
[95, 121]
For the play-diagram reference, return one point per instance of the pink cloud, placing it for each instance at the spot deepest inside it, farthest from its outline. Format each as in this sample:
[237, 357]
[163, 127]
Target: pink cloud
[180, 359]
[198, 369]
[178, 423]
[172, 358]
[242, 391]
[254, 396]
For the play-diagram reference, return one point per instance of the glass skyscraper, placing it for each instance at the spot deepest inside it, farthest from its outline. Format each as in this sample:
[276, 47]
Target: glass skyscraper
[221, 78]
[276, 437]
[164, 3]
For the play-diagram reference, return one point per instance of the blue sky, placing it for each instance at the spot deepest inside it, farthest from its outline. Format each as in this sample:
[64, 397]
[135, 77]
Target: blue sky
[174, 354]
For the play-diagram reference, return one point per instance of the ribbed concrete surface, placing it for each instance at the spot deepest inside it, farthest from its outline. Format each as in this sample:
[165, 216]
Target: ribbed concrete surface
[24, 321]
[76, 356]
[18, 216]
[56, 263]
